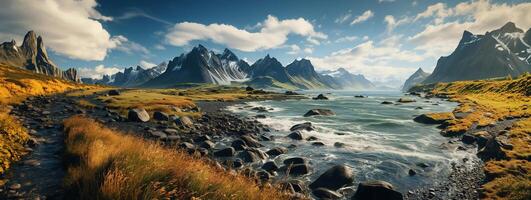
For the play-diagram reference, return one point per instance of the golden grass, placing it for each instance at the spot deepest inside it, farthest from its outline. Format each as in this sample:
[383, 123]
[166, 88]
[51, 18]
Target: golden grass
[12, 137]
[86, 104]
[117, 166]
[489, 101]
[89, 91]
[16, 85]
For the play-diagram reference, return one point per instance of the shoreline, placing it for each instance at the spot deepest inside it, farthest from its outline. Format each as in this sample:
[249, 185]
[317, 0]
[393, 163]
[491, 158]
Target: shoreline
[462, 183]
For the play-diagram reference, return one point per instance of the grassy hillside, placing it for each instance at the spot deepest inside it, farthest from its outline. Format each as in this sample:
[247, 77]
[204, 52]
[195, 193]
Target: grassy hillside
[15, 85]
[487, 102]
[112, 165]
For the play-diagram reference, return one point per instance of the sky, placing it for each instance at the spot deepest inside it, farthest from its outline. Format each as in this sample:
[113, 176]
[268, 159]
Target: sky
[385, 40]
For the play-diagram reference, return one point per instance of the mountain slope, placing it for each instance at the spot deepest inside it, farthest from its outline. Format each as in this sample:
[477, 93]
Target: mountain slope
[32, 55]
[303, 75]
[498, 53]
[343, 79]
[418, 77]
[201, 66]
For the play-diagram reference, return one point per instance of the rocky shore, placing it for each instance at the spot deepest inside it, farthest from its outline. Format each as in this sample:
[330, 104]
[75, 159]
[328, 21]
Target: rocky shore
[232, 142]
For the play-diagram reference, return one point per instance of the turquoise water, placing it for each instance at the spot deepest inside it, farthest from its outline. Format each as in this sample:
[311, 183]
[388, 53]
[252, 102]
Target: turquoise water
[382, 141]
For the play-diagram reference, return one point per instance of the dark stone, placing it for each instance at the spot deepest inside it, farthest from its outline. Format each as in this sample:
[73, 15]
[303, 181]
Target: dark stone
[227, 152]
[238, 145]
[251, 142]
[387, 102]
[297, 135]
[303, 126]
[270, 166]
[290, 93]
[493, 149]
[160, 116]
[312, 138]
[376, 190]
[323, 112]
[339, 144]
[298, 169]
[113, 93]
[334, 178]
[202, 138]
[411, 172]
[468, 138]
[138, 115]
[295, 160]
[359, 96]
[277, 151]
[323, 193]
[319, 144]
[263, 175]
[186, 145]
[320, 97]
[260, 116]
[207, 144]
[184, 121]
[406, 100]
[249, 88]
[248, 156]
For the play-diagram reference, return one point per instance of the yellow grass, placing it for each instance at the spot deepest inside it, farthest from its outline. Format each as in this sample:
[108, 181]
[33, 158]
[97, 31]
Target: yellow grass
[489, 101]
[15, 85]
[112, 165]
[86, 104]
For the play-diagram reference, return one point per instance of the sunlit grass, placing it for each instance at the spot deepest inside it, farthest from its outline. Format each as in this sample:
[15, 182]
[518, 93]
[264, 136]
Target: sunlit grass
[117, 166]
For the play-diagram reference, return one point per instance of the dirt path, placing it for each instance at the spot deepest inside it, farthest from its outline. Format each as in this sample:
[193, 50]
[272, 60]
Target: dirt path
[39, 174]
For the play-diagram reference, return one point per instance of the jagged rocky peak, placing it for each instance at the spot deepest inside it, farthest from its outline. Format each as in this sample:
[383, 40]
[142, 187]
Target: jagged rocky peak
[29, 45]
[509, 27]
[72, 75]
[228, 55]
[416, 78]
[527, 37]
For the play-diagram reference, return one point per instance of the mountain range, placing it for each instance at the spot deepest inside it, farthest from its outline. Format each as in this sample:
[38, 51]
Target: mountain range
[416, 78]
[502, 52]
[32, 55]
[203, 66]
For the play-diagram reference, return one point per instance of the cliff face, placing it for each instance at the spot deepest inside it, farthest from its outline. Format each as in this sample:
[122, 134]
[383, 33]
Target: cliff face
[32, 55]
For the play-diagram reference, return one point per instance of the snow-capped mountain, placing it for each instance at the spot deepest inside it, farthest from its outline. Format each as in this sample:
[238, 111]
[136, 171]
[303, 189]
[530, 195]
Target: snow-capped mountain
[130, 77]
[202, 66]
[343, 79]
[502, 52]
[415, 79]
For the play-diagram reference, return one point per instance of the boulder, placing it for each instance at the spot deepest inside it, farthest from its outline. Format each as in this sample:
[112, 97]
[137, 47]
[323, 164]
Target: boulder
[277, 151]
[251, 142]
[138, 115]
[184, 121]
[307, 126]
[238, 145]
[312, 138]
[249, 88]
[319, 144]
[261, 154]
[334, 178]
[376, 190]
[113, 93]
[323, 112]
[493, 149]
[227, 152]
[263, 175]
[323, 193]
[412, 172]
[339, 144]
[207, 144]
[298, 169]
[434, 118]
[481, 138]
[248, 156]
[406, 100]
[320, 97]
[270, 166]
[468, 138]
[186, 145]
[159, 134]
[359, 96]
[290, 93]
[296, 135]
[260, 109]
[160, 116]
[387, 102]
[295, 160]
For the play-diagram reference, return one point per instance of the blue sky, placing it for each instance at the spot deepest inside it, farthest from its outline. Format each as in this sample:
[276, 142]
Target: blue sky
[386, 40]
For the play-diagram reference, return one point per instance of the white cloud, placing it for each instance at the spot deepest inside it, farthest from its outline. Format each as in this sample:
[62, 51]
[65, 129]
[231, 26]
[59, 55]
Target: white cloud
[442, 36]
[346, 39]
[132, 13]
[273, 33]
[130, 47]
[294, 49]
[97, 72]
[377, 62]
[146, 64]
[383, 1]
[363, 17]
[70, 28]
[343, 18]
[392, 23]
[159, 47]
[308, 50]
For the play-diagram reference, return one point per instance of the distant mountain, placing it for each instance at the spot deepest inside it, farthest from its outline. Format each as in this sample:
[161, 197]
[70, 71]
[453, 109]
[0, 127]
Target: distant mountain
[502, 52]
[32, 55]
[418, 77]
[343, 79]
[202, 66]
[137, 76]
[270, 67]
[303, 75]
